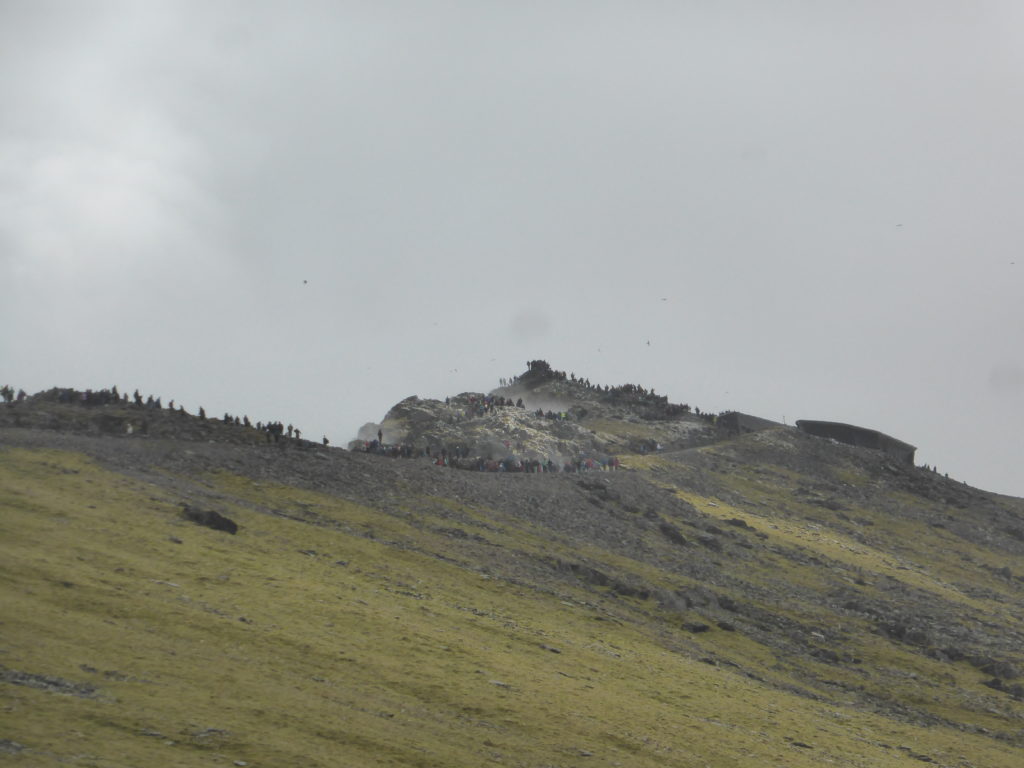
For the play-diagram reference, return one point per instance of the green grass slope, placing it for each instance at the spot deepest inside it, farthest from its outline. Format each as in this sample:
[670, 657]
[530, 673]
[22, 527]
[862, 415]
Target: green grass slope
[754, 602]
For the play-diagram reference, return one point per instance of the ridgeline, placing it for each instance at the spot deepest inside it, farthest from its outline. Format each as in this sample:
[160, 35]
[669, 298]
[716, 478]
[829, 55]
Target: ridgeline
[553, 573]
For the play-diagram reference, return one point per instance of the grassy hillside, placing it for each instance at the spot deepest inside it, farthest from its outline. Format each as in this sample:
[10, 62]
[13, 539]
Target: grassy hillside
[771, 600]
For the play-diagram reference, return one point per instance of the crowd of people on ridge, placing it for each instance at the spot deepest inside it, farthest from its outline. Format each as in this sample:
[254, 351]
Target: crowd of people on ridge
[622, 394]
[458, 457]
[8, 396]
[475, 406]
[274, 431]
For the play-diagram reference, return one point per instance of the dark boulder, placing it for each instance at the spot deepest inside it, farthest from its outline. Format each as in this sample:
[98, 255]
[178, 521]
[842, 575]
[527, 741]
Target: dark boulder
[210, 519]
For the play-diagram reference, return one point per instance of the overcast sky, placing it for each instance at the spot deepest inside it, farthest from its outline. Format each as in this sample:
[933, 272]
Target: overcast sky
[308, 211]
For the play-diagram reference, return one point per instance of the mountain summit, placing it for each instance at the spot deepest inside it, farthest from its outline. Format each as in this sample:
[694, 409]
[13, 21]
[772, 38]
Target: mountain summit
[633, 583]
[544, 415]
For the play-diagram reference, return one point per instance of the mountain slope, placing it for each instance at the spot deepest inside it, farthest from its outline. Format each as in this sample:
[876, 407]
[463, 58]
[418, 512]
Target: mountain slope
[771, 598]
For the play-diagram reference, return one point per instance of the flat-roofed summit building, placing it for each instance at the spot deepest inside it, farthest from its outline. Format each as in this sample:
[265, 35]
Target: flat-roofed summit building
[861, 437]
